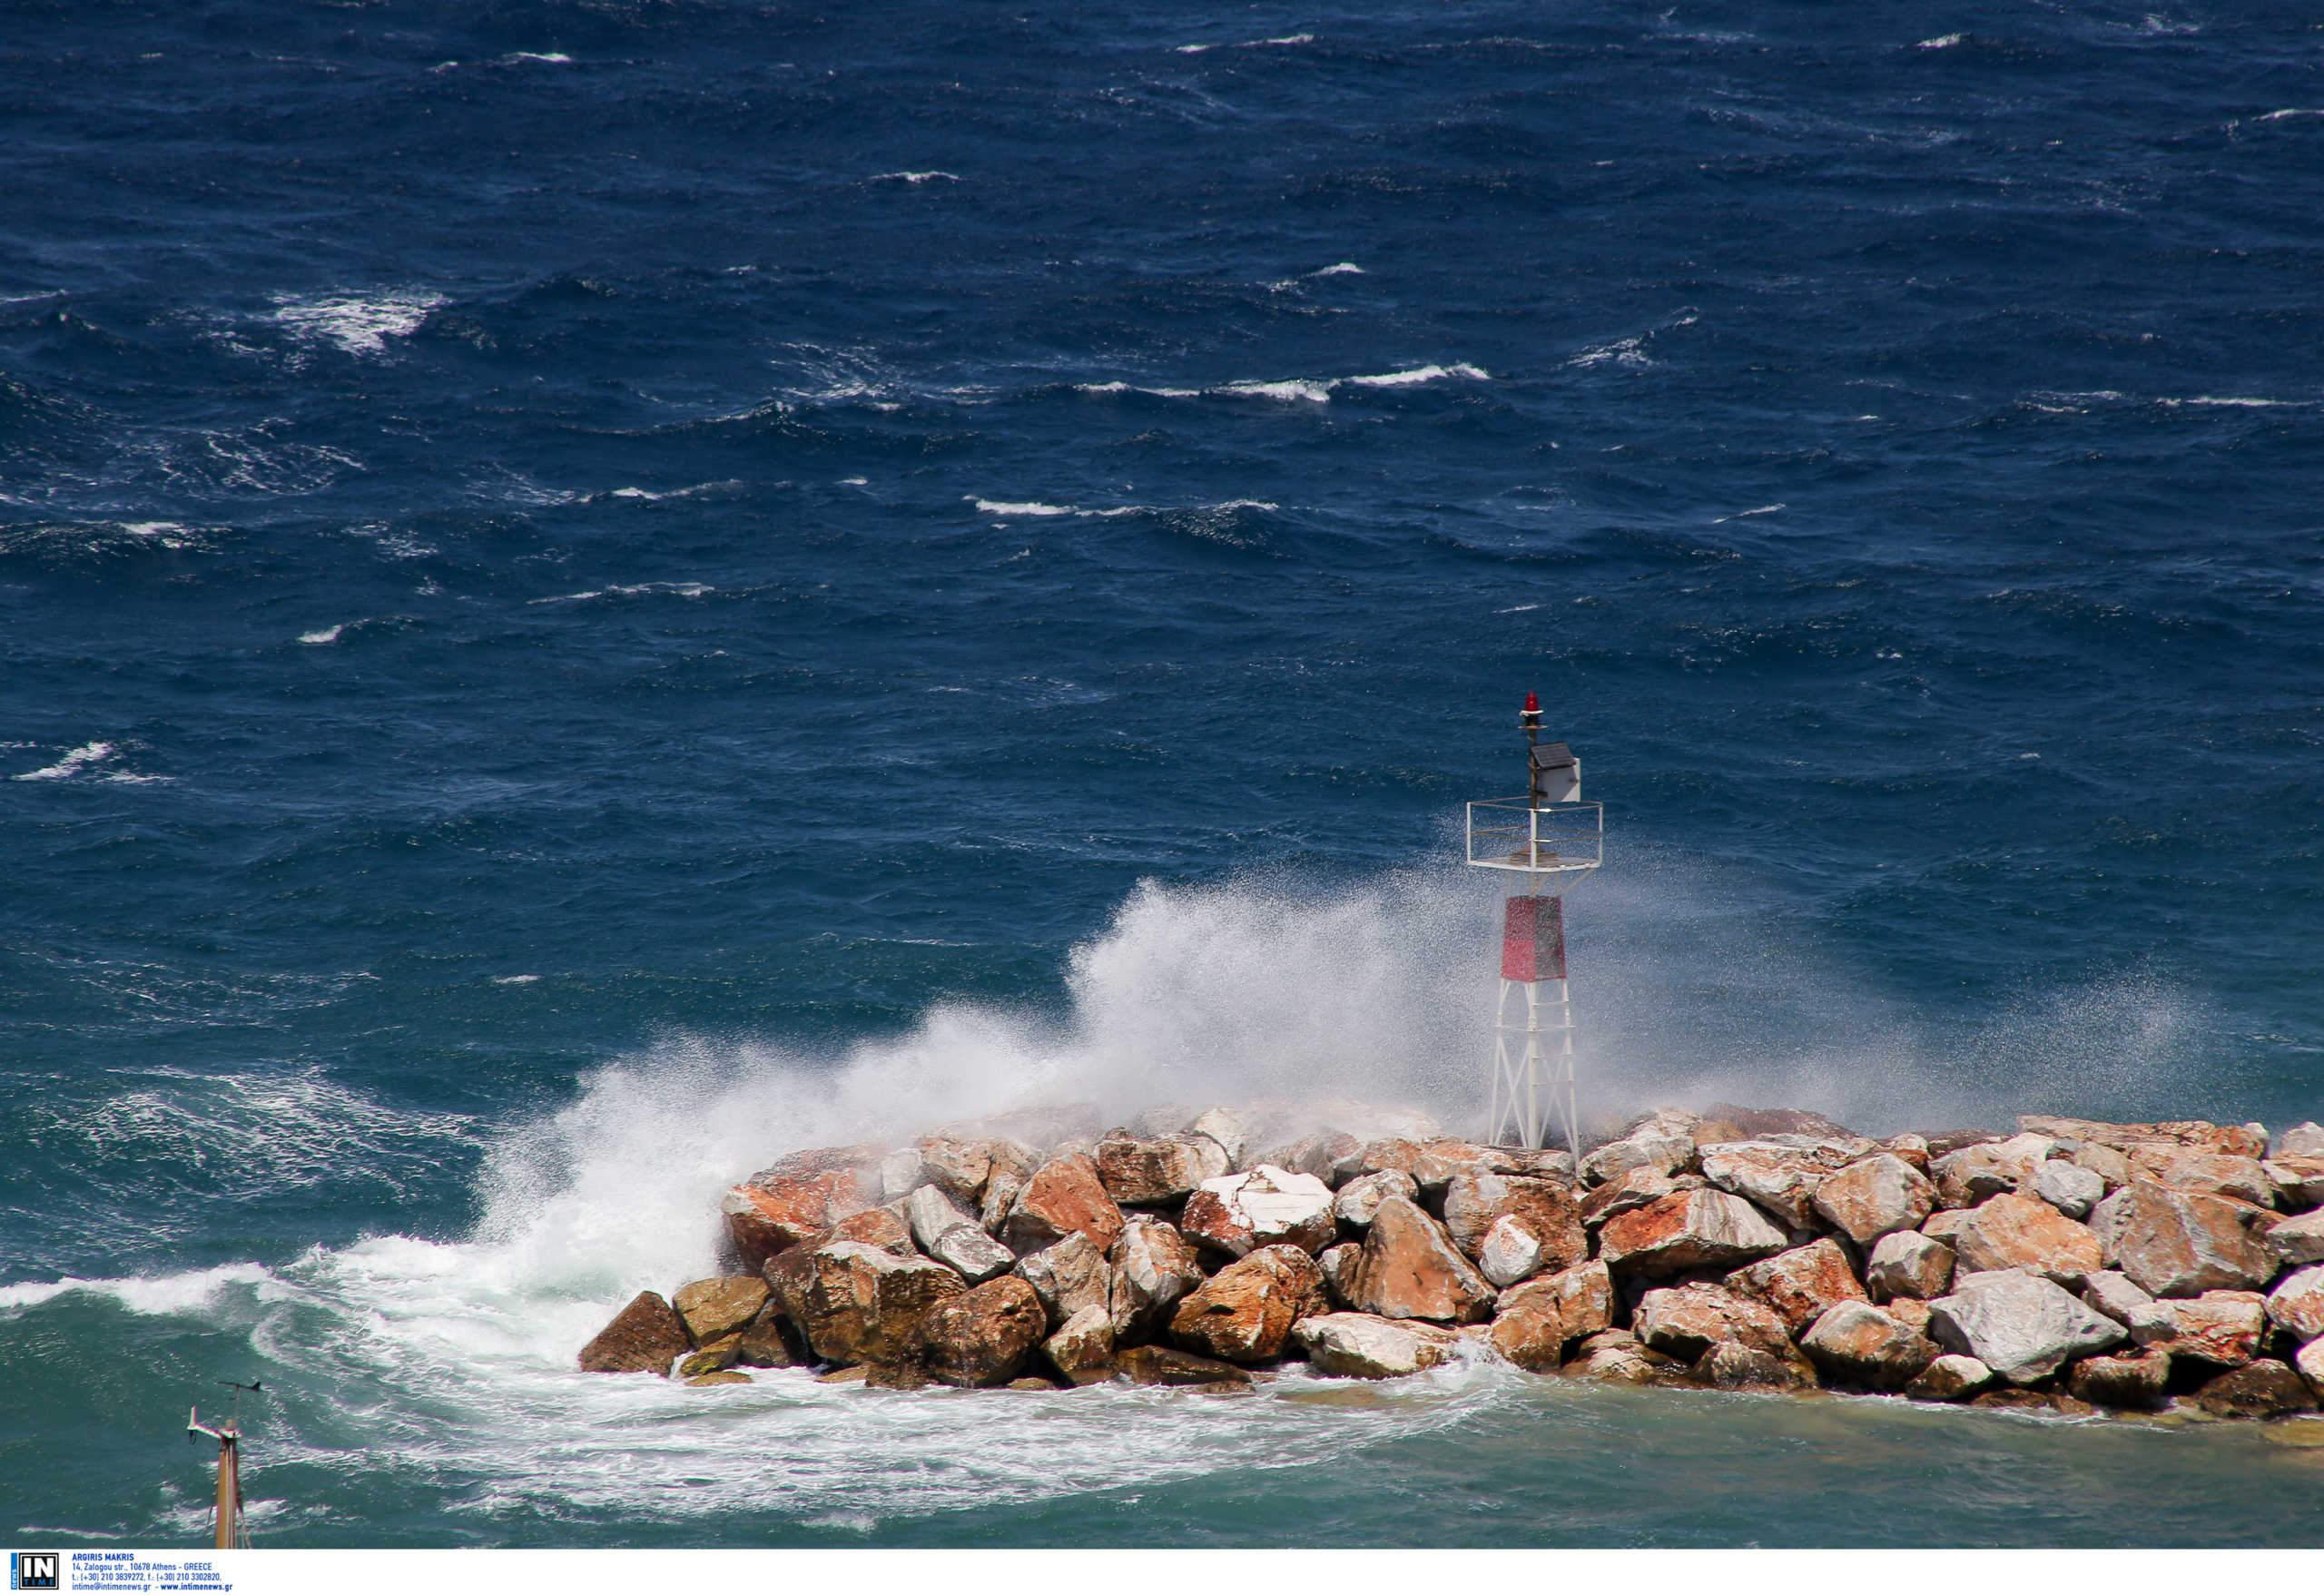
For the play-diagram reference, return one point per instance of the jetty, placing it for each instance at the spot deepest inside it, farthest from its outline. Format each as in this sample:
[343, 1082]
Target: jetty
[2071, 1268]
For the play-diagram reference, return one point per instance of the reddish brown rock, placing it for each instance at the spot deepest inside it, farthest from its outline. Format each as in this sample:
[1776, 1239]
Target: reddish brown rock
[2299, 1182]
[1360, 1345]
[1154, 1267]
[712, 1309]
[2134, 1379]
[1873, 1197]
[2261, 1388]
[1536, 1321]
[1688, 1230]
[2310, 1364]
[2214, 1173]
[1137, 1170]
[953, 1239]
[981, 1336]
[2027, 1234]
[1908, 1264]
[1360, 1198]
[1245, 1310]
[771, 1340]
[1730, 1365]
[1547, 1208]
[1338, 1265]
[1409, 1268]
[799, 1199]
[2177, 1242]
[1064, 1197]
[1759, 1123]
[1950, 1378]
[2297, 1305]
[875, 1227]
[1239, 1212]
[1012, 1164]
[1159, 1365]
[856, 1303]
[1781, 1179]
[1511, 1252]
[2234, 1140]
[1664, 1147]
[1909, 1309]
[958, 1165]
[1082, 1350]
[2222, 1327]
[1972, 1174]
[1394, 1153]
[1067, 1277]
[1854, 1342]
[1634, 1189]
[1685, 1321]
[644, 1337]
[1801, 1284]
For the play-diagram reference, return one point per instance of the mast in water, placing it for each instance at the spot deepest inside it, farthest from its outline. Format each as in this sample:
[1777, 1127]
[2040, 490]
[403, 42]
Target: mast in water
[231, 1535]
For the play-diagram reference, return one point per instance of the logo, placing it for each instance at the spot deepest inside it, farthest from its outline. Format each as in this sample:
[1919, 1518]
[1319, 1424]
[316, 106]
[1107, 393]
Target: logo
[33, 1570]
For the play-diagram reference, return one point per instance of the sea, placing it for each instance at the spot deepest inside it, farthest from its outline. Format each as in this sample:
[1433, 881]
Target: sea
[596, 592]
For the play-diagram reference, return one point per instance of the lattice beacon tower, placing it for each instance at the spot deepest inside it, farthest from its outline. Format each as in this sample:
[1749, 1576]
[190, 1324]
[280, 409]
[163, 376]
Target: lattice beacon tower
[1552, 838]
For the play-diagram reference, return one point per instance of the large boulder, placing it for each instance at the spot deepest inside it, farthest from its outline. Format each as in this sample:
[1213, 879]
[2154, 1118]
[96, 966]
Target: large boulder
[644, 1337]
[2213, 1173]
[1068, 1277]
[1238, 1214]
[2297, 1242]
[2222, 1327]
[1232, 1131]
[1153, 1268]
[857, 1302]
[1064, 1197]
[883, 1228]
[1010, 1163]
[953, 1238]
[1951, 1377]
[2181, 1243]
[2135, 1378]
[2299, 1182]
[1409, 1268]
[1780, 1178]
[981, 1336]
[2114, 1293]
[713, 1309]
[1970, 1175]
[1688, 1229]
[2297, 1305]
[1339, 1265]
[2021, 1326]
[2302, 1140]
[2261, 1388]
[2310, 1364]
[1510, 1252]
[1361, 1345]
[1802, 1284]
[2013, 1230]
[1162, 1365]
[1245, 1312]
[799, 1198]
[1360, 1197]
[1731, 1365]
[2246, 1140]
[1475, 1201]
[1906, 1263]
[1535, 1321]
[958, 1165]
[1854, 1342]
[1685, 1321]
[1082, 1350]
[1637, 1188]
[1664, 1147]
[1143, 1171]
[2072, 1189]
[1873, 1197]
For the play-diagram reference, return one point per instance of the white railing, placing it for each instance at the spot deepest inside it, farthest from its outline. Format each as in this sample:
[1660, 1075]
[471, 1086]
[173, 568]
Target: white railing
[1513, 834]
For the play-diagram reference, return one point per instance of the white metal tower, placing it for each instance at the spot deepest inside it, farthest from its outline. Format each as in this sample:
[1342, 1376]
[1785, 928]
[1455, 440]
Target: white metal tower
[1552, 838]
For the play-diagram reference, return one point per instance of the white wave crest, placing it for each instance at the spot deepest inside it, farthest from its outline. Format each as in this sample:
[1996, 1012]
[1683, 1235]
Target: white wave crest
[632, 590]
[330, 634]
[73, 763]
[913, 178]
[1035, 509]
[359, 324]
[1345, 269]
[1302, 389]
[154, 1294]
[1942, 42]
[1244, 45]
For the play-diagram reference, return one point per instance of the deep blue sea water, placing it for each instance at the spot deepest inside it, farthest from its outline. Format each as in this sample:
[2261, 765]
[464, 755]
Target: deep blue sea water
[593, 592]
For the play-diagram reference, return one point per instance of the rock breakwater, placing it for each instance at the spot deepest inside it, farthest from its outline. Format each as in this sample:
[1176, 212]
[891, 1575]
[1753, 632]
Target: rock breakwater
[2074, 1267]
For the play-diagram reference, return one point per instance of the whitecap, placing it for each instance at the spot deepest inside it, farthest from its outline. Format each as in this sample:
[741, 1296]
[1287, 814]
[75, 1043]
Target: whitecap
[330, 634]
[151, 1294]
[632, 590]
[1629, 353]
[996, 507]
[1037, 509]
[1244, 45]
[1345, 269]
[514, 980]
[72, 764]
[1419, 374]
[1289, 391]
[1742, 514]
[914, 178]
[357, 323]
[1942, 42]
[2286, 115]
[551, 58]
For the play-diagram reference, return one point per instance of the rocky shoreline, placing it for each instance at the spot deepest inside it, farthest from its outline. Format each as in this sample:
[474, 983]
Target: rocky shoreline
[2073, 1267]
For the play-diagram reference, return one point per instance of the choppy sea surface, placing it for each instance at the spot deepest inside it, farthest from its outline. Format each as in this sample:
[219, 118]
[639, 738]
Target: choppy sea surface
[591, 593]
